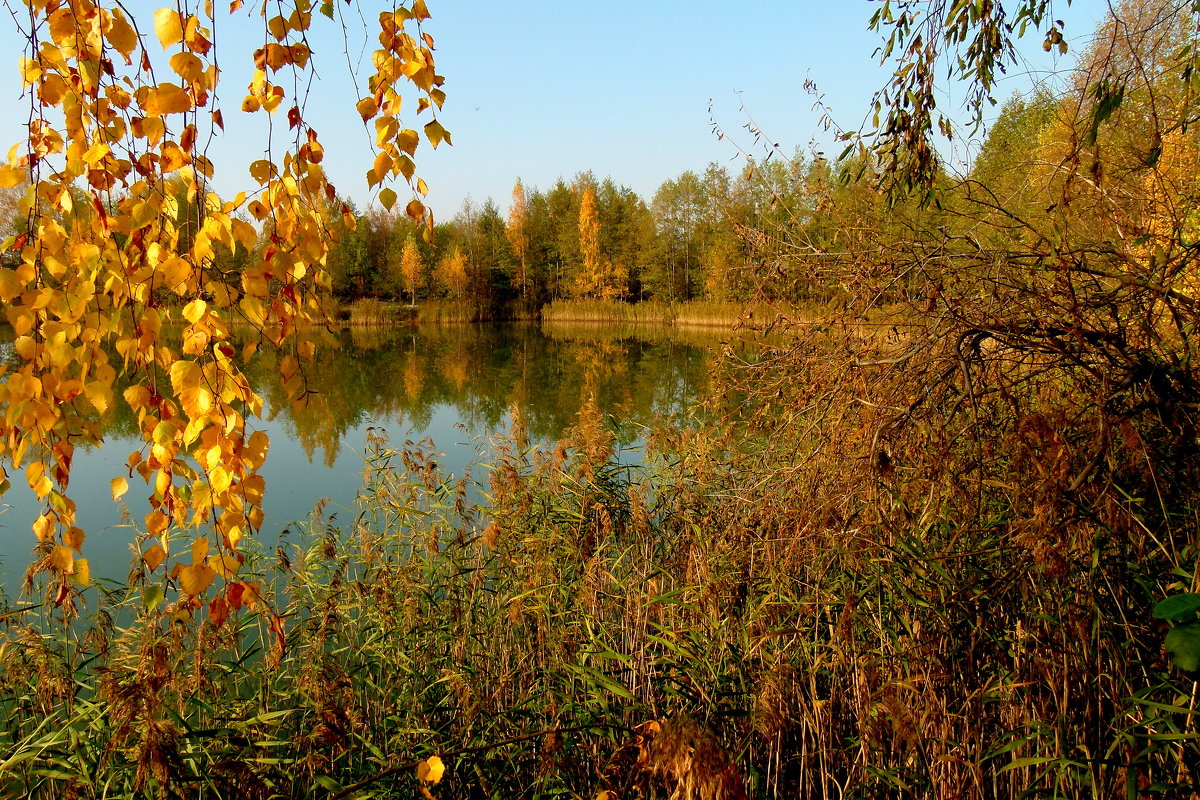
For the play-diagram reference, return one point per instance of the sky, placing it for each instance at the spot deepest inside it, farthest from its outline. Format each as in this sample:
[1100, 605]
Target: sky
[542, 89]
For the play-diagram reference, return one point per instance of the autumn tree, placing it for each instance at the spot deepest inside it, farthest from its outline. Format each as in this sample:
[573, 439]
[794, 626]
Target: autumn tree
[598, 276]
[452, 273]
[120, 111]
[590, 279]
[411, 267]
[518, 235]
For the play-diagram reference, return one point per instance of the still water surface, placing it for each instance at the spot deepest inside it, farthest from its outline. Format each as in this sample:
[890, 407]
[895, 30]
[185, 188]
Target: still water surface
[452, 385]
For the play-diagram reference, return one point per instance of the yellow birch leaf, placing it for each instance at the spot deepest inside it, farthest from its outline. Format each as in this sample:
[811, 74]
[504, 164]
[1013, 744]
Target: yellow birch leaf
[11, 176]
[195, 578]
[121, 35]
[43, 527]
[407, 167]
[82, 576]
[262, 170]
[156, 522]
[244, 233]
[436, 134]
[164, 433]
[278, 27]
[272, 100]
[168, 27]
[99, 394]
[367, 108]
[62, 559]
[166, 98]
[185, 375]
[194, 310]
[219, 478]
[252, 307]
[74, 539]
[387, 199]
[197, 402]
[119, 487]
[199, 550]
[187, 66]
[385, 130]
[62, 26]
[162, 478]
[431, 769]
[383, 164]
[224, 565]
[30, 70]
[276, 56]
[42, 487]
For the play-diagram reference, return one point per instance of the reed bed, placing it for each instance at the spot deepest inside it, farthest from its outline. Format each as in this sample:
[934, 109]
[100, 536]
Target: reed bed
[370, 312]
[698, 313]
[450, 311]
[663, 629]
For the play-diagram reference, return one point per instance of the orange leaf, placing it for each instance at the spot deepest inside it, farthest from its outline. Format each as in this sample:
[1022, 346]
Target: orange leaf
[166, 98]
[187, 66]
[218, 611]
[154, 556]
[367, 108]
[74, 539]
[431, 769]
[121, 35]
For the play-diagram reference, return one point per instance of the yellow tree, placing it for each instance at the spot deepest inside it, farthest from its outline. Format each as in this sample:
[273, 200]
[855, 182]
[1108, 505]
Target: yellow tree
[518, 234]
[411, 266]
[121, 109]
[590, 279]
[452, 272]
[599, 277]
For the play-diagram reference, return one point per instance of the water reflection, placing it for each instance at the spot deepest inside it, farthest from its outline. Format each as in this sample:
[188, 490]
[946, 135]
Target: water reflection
[453, 385]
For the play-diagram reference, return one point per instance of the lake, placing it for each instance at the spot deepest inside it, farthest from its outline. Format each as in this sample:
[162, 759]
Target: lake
[453, 385]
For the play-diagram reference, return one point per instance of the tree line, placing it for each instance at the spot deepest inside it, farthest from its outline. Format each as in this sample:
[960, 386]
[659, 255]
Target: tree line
[582, 238]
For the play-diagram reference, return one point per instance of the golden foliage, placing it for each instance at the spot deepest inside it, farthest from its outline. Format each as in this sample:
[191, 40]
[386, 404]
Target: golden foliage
[124, 233]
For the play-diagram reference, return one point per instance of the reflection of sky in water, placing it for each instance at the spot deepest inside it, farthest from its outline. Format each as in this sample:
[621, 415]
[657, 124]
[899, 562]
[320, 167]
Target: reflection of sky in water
[295, 483]
[468, 381]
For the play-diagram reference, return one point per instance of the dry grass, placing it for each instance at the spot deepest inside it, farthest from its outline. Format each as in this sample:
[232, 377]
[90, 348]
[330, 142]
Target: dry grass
[698, 313]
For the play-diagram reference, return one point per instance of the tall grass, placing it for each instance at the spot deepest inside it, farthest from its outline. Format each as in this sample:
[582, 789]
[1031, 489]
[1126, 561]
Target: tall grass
[604, 627]
[702, 313]
[449, 311]
[369, 312]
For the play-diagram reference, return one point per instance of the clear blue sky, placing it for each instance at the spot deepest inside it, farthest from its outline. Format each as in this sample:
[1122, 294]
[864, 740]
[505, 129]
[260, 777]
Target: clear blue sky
[547, 89]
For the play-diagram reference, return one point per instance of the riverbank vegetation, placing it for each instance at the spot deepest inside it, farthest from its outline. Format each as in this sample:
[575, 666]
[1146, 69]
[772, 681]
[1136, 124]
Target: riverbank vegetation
[942, 546]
